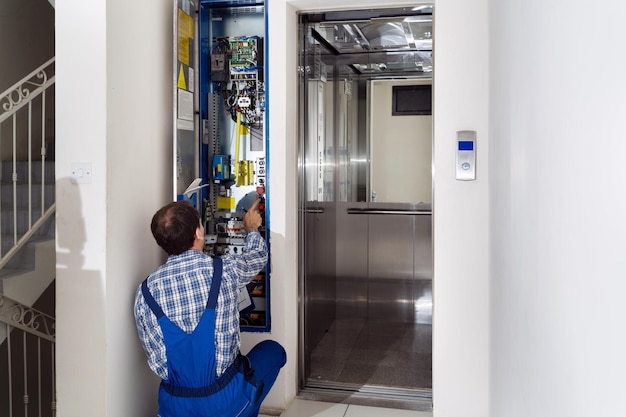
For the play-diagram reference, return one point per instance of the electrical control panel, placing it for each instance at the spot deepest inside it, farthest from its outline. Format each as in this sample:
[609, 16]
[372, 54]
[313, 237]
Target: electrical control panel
[225, 56]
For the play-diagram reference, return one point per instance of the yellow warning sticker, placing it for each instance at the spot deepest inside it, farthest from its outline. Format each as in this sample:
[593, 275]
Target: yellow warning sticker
[185, 34]
[182, 84]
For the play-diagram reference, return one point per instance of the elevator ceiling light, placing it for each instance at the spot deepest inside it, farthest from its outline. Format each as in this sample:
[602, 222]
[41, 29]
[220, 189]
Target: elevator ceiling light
[398, 45]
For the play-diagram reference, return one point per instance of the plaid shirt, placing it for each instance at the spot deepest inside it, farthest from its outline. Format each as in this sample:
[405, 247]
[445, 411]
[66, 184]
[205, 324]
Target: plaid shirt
[181, 287]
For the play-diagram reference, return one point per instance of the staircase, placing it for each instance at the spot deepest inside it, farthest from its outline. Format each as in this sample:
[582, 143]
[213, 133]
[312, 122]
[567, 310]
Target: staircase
[27, 246]
[31, 269]
[27, 298]
[27, 183]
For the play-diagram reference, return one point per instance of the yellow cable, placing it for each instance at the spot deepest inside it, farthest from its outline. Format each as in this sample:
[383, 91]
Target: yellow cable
[238, 133]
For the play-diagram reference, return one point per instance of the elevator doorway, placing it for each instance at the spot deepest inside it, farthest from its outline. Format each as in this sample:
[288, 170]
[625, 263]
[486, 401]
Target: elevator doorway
[365, 206]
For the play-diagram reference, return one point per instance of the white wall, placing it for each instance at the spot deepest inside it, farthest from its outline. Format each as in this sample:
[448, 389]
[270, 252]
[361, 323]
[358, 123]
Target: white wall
[139, 133]
[281, 61]
[558, 101]
[113, 78]
[461, 217]
[81, 210]
[114, 72]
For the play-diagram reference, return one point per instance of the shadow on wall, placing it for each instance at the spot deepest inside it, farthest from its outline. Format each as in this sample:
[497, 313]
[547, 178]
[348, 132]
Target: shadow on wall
[71, 233]
[80, 317]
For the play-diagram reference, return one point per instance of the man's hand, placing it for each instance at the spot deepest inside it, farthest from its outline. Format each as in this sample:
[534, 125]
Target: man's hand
[252, 219]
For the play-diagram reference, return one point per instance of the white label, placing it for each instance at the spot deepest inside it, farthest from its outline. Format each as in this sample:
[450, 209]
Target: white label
[261, 172]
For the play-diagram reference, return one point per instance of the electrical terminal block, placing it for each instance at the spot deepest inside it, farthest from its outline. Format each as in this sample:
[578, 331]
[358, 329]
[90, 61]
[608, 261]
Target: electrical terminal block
[245, 174]
[243, 102]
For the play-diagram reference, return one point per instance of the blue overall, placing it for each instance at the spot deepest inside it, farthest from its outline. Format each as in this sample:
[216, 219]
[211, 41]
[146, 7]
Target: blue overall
[192, 389]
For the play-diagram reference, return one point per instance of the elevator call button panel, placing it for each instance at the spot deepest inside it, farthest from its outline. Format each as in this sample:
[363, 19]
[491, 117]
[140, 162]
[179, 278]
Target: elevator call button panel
[466, 155]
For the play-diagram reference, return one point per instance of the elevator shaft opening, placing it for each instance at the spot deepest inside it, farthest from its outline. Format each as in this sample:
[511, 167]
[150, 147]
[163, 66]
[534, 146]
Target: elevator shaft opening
[365, 206]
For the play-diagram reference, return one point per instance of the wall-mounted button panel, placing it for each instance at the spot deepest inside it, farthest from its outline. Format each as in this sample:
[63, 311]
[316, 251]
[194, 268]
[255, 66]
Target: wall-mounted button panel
[465, 155]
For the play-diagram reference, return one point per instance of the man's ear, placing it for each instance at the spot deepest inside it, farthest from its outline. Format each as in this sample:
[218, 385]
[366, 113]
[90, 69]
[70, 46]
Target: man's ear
[199, 233]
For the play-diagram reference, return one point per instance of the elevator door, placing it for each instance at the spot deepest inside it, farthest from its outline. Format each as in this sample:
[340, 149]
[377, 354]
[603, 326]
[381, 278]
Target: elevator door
[365, 204]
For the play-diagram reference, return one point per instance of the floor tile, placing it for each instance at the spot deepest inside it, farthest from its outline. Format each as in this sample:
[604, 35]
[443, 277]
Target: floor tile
[374, 353]
[304, 408]
[361, 411]
[372, 357]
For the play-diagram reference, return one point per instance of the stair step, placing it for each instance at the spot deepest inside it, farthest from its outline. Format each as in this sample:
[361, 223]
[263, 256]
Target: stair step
[24, 270]
[25, 258]
[13, 272]
[26, 283]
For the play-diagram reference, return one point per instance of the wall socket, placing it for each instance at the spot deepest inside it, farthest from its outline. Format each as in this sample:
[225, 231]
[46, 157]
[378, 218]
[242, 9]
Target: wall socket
[81, 173]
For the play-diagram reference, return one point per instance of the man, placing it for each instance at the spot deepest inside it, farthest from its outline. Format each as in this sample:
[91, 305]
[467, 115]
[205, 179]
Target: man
[188, 321]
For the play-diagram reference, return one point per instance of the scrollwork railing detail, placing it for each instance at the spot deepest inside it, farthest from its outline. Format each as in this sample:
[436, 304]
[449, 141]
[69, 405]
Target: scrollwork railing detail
[22, 92]
[28, 88]
[27, 318]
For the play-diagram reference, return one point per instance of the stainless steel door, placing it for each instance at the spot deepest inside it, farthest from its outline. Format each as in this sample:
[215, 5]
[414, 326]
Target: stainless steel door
[316, 202]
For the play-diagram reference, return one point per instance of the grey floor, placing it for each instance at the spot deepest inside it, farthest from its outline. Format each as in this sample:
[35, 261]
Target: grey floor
[307, 408]
[356, 351]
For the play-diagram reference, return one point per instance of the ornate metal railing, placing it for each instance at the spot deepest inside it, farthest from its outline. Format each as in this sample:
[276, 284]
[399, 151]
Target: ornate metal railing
[27, 338]
[27, 318]
[26, 111]
[29, 87]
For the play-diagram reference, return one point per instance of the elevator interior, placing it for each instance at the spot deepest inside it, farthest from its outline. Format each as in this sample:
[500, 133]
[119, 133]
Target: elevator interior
[365, 206]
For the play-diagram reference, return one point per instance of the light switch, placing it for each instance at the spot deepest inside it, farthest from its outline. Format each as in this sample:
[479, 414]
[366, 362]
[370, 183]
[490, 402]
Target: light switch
[81, 173]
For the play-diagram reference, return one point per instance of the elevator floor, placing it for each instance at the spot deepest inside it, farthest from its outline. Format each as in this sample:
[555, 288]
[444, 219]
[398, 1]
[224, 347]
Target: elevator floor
[375, 353]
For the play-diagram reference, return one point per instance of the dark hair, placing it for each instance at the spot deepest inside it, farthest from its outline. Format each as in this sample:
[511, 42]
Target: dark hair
[174, 227]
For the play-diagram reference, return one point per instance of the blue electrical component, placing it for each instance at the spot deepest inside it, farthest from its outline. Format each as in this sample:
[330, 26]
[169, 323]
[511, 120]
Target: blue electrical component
[221, 167]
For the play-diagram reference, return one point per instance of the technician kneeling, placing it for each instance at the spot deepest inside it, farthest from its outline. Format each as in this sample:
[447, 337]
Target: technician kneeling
[188, 321]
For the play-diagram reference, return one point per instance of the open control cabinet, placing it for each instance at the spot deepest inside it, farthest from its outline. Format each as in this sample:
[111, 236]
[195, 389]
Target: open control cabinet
[220, 129]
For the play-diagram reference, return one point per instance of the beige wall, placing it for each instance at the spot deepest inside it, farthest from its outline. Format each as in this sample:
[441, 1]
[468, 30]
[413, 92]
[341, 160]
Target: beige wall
[401, 150]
